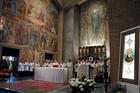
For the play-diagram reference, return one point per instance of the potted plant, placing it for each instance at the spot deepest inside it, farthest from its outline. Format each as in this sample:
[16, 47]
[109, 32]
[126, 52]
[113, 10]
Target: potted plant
[120, 87]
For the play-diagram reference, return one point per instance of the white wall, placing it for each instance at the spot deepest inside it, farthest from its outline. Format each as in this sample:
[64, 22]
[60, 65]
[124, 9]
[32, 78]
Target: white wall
[131, 88]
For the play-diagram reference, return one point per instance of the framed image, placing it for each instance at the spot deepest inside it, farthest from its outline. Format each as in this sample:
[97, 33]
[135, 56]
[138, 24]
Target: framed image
[129, 47]
[90, 58]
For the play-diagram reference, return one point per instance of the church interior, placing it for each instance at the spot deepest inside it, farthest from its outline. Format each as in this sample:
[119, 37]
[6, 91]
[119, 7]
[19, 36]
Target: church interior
[69, 46]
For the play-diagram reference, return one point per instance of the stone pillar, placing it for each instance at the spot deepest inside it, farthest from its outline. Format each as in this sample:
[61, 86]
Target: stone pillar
[60, 34]
[71, 34]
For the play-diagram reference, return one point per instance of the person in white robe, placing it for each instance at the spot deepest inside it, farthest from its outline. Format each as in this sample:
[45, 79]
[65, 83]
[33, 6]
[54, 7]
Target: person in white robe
[101, 66]
[83, 62]
[87, 62]
[50, 64]
[19, 66]
[70, 69]
[31, 65]
[37, 64]
[63, 64]
[94, 71]
[44, 64]
[23, 66]
[26, 66]
[76, 67]
[10, 66]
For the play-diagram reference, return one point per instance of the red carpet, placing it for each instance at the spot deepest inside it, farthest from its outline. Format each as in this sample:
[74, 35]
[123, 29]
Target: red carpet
[31, 86]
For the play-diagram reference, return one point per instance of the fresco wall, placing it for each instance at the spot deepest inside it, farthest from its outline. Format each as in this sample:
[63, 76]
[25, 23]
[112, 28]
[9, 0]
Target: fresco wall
[94, 24]
[32, 23]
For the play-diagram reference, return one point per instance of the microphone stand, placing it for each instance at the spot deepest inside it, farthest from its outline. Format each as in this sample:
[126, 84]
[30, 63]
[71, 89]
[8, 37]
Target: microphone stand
[106, 78]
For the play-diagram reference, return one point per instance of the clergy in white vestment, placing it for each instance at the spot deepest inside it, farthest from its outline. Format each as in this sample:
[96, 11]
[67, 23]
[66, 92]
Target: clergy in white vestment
[50, 64]
[76, 67]
[10, 66]
[20, 66]
[44, 64]
[26, 66]
[69, 64]
[83, 62]
[70, 69]
[94, 71]
[93, 64]
[31, 65]
[87, 62]
[101, 64]
[23, 66]
[37, 64]
[63, 64]
[96, 66]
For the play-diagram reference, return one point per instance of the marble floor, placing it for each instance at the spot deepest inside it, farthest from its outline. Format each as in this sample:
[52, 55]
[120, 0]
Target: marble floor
[8, 85]
[63, 89]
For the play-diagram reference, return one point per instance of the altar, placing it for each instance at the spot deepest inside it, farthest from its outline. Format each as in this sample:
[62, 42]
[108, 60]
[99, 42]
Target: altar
[57, 75]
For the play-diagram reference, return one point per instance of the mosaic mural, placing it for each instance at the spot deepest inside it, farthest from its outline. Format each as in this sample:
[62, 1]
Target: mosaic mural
[14, 8]
[51, 18]
[94, 29]
[94, 24]
[35, 11]
[32, 23]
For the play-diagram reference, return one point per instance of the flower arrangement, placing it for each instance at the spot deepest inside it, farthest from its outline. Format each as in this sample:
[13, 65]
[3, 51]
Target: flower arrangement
[120, 87]
[55, 65]
[81, 84]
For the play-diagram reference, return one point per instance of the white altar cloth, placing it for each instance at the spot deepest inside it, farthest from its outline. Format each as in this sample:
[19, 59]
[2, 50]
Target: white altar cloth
[57, 75]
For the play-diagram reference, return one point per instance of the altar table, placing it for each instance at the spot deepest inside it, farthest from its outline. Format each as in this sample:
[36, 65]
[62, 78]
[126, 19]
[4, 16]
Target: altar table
[57, 75]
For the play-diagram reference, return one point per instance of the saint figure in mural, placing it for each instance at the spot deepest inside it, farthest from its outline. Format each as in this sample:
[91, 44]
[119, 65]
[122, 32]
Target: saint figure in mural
[19, 34]
[13, 7]
[5, 33]
[43, 41]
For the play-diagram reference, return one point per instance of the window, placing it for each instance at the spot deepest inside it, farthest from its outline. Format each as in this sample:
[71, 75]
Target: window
[129, 56]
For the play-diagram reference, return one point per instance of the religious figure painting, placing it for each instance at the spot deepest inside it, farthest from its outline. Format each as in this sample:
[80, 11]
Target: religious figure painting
[19, 34]
[25, 22]
[24, 54]
[94, 24]
[52, 17]
[34, 38]
[26, 35]
[9, 7]
[12, 34]
[21, 9]
[35, 11]
[129, 56]
[14, 8]
[54, 45]
[42, 40]
[8, 31]
[5, 34]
